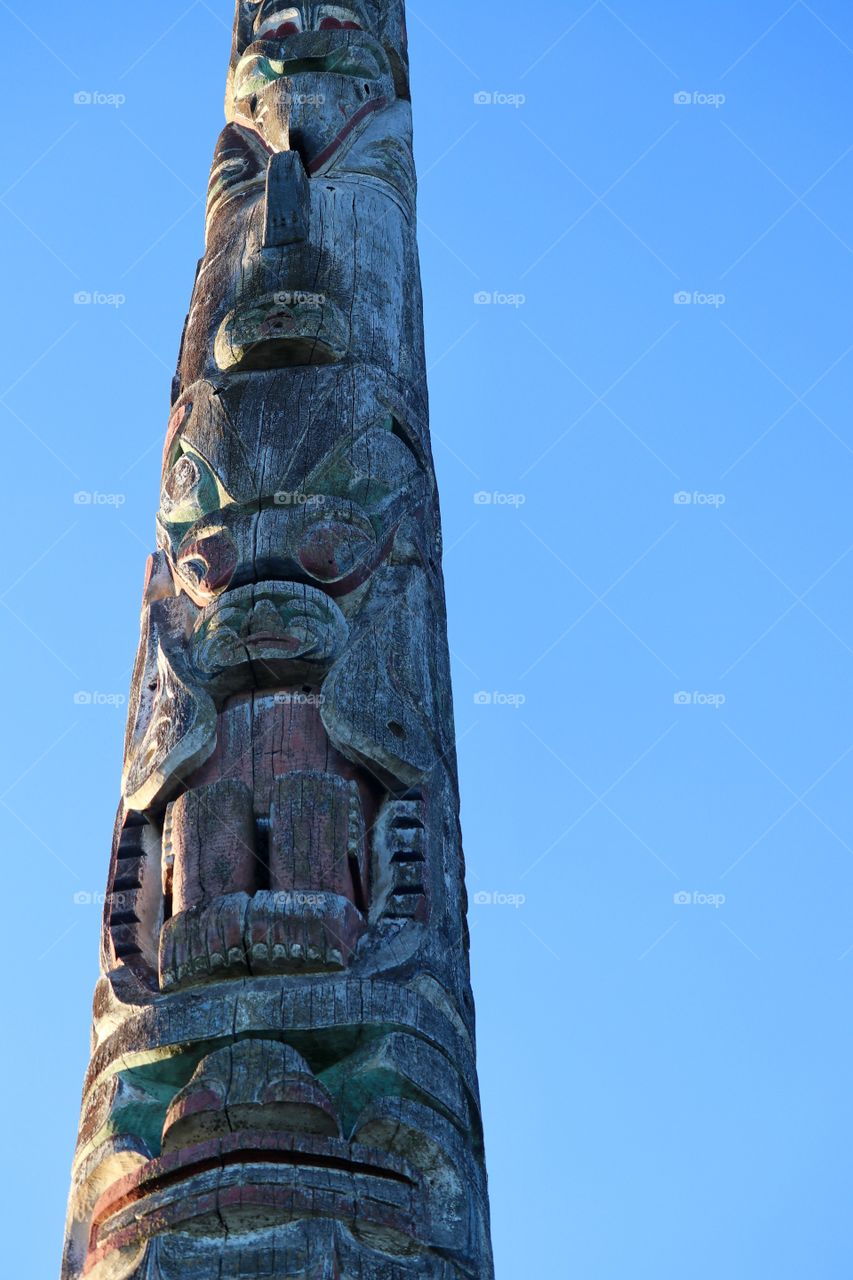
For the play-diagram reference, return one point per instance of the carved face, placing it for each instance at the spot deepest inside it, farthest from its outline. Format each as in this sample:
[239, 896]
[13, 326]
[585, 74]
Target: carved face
[301, 72]
[218, 541]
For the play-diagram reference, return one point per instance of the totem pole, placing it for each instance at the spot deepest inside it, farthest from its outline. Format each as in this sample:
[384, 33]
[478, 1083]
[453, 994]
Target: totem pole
[283, 1081]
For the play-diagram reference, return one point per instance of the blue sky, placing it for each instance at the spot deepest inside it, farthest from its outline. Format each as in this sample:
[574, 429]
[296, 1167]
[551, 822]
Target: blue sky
[659, 776]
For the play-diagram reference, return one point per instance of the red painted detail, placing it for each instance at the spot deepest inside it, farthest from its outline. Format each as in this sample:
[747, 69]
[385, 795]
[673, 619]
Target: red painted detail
[242, 1148]
[377, 104]
[332, 549]
[362, 569]
[175, 423]
[335, 24]
[286, 29]
[285, 734]
[217, 555]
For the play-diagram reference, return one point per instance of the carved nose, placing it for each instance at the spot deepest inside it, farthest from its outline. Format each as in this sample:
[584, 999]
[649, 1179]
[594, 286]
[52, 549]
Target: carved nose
[288, 201]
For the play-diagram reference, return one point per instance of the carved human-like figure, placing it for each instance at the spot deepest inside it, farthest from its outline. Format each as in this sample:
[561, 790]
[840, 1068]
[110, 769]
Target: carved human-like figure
[283, 1080]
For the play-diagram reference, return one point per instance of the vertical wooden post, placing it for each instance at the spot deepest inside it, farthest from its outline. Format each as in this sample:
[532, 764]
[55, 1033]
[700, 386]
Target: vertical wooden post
[283, 1080]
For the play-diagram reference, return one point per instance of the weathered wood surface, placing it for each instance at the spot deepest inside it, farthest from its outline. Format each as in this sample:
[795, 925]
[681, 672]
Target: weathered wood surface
[283, 1080]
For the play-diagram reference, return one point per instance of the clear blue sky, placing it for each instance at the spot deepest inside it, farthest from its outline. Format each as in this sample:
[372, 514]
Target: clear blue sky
[667, 1085]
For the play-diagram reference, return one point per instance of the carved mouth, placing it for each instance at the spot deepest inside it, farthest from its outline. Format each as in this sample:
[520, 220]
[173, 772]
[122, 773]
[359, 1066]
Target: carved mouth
[259, 620]
[247, 1148]
[276, 333]
[260, 1175]
[311, 53]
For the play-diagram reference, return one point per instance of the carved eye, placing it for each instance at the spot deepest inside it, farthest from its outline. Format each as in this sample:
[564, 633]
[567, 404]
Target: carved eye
[331, 549]
[333, 18]
[279, 24]
[189, 490]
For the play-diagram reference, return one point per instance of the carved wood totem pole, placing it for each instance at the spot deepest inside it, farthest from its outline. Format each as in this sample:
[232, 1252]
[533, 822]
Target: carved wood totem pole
[283, 1081]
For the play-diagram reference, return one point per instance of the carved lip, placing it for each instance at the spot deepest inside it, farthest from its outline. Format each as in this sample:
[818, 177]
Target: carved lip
[267, 637]
[240, 1150]
[337, 54]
